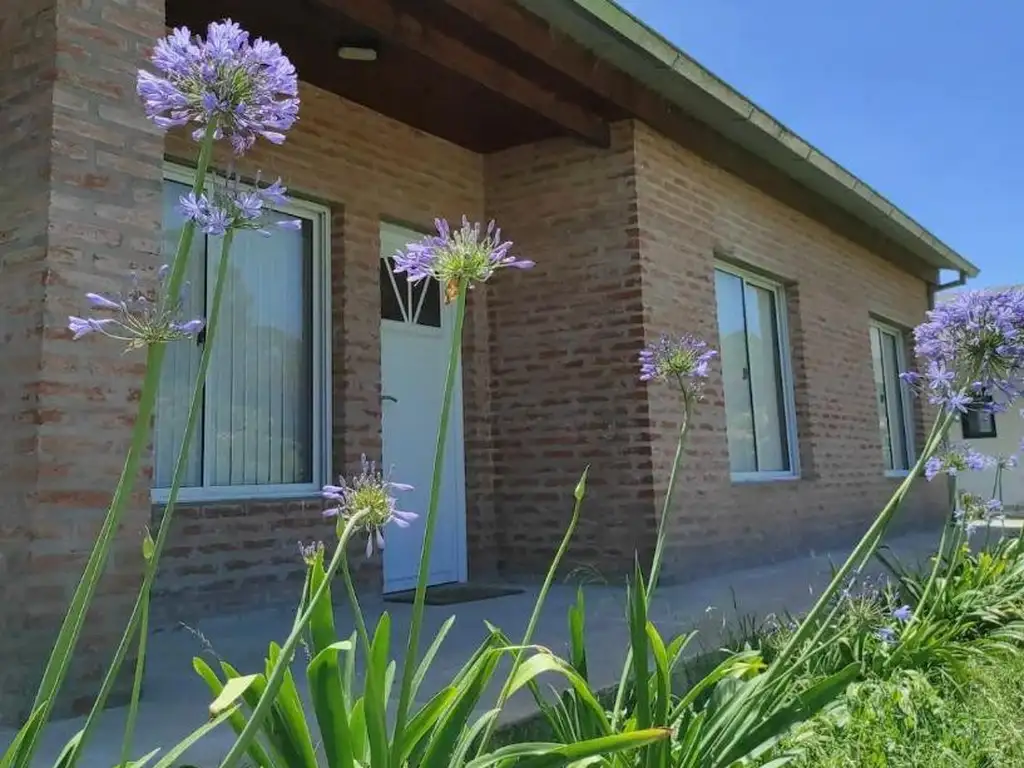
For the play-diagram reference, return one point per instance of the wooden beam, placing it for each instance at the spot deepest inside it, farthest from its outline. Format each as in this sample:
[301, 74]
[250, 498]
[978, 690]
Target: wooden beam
[406, 30]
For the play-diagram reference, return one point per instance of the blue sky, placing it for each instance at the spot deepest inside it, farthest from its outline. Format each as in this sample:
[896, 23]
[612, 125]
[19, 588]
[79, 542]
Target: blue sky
[922, 99]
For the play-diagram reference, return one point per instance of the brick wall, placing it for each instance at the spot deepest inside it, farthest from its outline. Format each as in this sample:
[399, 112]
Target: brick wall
[690, 210]
[81, 200]
[564, 341]
[366, 167]
[27, 46]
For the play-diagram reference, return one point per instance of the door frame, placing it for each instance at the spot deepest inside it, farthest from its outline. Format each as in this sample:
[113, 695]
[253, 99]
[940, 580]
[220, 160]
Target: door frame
[456, 425]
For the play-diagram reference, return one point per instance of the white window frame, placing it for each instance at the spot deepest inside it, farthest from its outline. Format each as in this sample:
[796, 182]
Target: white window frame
[320, 218]
[785, 372]
[905, 394]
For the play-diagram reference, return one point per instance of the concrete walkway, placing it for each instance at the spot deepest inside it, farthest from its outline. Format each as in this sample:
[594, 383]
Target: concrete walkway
[176, 700]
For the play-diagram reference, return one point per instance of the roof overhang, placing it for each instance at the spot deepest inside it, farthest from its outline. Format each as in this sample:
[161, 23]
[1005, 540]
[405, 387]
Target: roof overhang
[625, 42]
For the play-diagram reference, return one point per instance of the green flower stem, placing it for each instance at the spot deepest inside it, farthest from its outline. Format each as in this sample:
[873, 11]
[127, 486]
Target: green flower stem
[357, 611]
[659, 546]
[71, 628]
[412, 651]
[280, 668]
[133, 707]
[864, 549]
[178, 477]
[537, 608]
[940, 556]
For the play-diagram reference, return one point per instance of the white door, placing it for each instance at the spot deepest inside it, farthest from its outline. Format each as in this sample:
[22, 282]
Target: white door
[415, 337]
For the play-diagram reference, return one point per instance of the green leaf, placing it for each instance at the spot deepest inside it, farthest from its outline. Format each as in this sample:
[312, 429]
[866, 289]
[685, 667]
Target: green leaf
[69, 749]
[428, 657]
[467, 740]
[423, 721]
[549, 755]
[736, 664]
[26, 734]
[143, 761]
[804, 706]
[545, 661]
[230, 693]
[179, 749]
[677, 648]
[373, 697]
[237, 720]
[329, 705]
[360, 745]
[289, 708]
[468, 691]
[577, 640]
[663, 692]
[637, 607]
[321, 620]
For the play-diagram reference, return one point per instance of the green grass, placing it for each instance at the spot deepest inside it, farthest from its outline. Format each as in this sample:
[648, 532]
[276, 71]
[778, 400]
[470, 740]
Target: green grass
[911, 721]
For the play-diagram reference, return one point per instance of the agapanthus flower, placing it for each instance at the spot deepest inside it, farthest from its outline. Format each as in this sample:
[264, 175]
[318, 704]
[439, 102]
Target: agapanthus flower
[887, 635]
[972, 345]
[452, 256]
[903, 614]
[973, 511]
[957, 459]
[246, 89]
[230, 205]
[370, 494]
[138, 317]
[681, 360]
[312, 552]
[1006, 462]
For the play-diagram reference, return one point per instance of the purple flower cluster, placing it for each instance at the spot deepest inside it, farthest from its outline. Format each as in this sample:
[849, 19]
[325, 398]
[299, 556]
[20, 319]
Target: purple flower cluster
[957, 459]
[230, 206]
[137, 317]
[370, 494]
[451, 256]
[681, 360]
[903, 614]
[972, 511]
[970, 345]
[244, 89]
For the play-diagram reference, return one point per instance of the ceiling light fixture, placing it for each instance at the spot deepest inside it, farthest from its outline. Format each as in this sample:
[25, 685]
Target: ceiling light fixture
[357, 53]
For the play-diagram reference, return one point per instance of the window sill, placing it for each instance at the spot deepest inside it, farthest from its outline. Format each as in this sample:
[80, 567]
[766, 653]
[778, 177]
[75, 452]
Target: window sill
[897, 474]
[743, 478]
[158, 496]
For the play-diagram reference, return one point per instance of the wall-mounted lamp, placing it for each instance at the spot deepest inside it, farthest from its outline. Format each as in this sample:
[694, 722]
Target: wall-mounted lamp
[357, 53]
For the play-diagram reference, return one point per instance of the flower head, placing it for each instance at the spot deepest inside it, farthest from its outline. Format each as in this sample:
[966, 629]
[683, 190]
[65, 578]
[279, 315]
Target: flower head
[231, 206]
[973, 511]
[466, 254]
[368, 494]
[957, 459]
[137, 317]
[972, 344]
[887, 635]
[903, 614]
[311, 553]
[683, 360]
[245, 89]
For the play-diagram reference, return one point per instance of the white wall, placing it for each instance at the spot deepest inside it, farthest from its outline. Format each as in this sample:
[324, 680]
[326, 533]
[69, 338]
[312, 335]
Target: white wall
[1009, 432]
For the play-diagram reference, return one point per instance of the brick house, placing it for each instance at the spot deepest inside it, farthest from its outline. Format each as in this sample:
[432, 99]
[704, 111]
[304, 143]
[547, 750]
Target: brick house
[652, 197]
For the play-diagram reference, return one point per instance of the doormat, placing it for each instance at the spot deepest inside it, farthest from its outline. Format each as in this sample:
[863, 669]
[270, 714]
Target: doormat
[450, 594]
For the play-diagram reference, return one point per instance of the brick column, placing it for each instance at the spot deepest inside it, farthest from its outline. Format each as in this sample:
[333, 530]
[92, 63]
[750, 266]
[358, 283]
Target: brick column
[80, 209]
